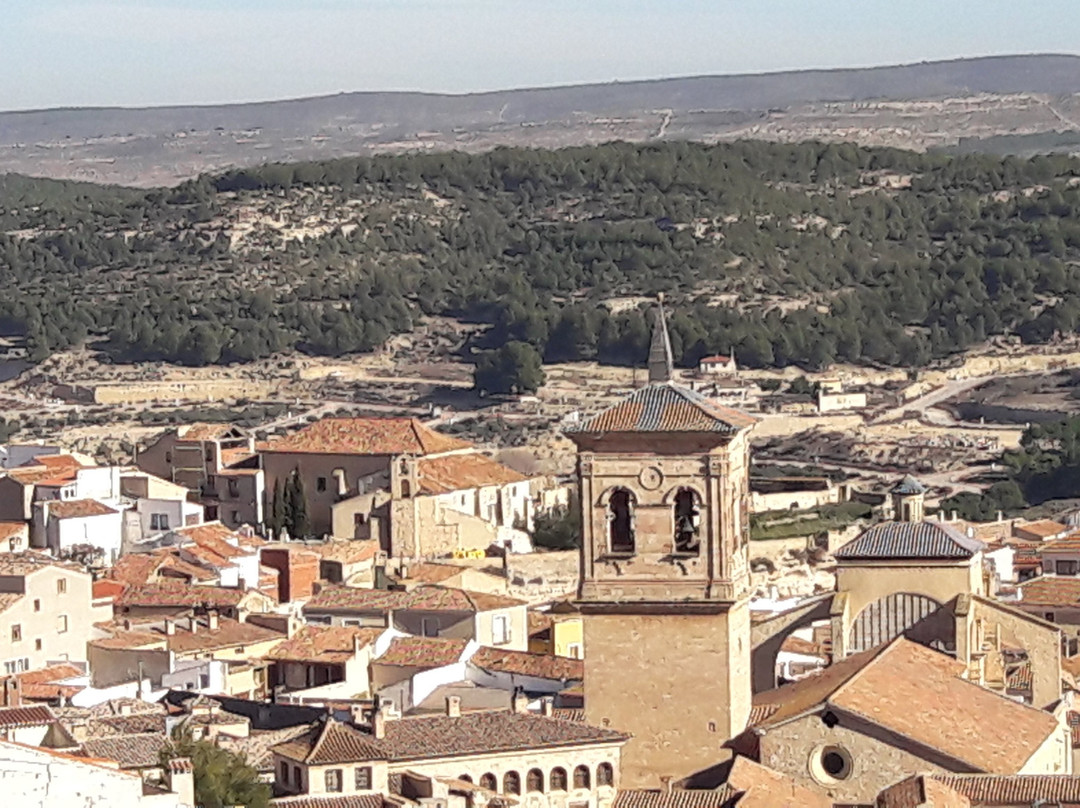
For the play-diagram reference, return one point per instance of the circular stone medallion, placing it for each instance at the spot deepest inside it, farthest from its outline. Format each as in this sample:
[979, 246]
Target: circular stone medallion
[651, 478]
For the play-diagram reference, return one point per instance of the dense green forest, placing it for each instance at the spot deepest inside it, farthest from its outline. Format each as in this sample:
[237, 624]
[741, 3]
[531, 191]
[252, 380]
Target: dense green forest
[788, 254]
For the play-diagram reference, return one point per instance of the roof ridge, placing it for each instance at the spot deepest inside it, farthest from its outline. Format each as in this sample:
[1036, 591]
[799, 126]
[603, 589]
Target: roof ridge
[875, 657]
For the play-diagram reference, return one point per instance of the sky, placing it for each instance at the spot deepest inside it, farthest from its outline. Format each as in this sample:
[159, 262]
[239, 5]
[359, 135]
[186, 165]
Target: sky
[157, 52]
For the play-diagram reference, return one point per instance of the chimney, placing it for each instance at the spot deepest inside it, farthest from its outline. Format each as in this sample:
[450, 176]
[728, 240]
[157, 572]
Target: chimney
[404, 570]
[520, 703]
[242, 585]
[378, 724]
[125, 709]
[194, 624]
[356, 713]
[170, 626]
[665, 783]
[212, 619]
[180, 775]
[453, 706]
[547, 706]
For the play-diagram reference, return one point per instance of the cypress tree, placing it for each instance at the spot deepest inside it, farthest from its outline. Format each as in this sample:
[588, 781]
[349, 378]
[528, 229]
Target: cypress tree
[275, 519]
[296, 498]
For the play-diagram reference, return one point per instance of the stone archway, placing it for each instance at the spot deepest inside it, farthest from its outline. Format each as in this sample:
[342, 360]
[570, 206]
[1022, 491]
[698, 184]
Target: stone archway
[887, 618]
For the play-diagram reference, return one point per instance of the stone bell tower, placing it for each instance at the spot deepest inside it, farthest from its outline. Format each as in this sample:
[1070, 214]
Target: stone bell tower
[663, 482]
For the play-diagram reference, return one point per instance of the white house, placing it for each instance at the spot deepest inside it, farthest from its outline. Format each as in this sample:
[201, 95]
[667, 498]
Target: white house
[717, 364]
[60, 525]
[160, 505]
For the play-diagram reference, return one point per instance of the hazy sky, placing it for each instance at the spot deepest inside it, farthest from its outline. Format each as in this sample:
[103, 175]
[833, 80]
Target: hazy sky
[149, 52]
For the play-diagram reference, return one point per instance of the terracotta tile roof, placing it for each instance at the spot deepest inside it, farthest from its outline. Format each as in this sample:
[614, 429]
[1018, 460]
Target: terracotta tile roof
[667, 408]
[174, 567]
[8, 599]
[9, 529]
[1067, 544]
[423, 652]
[330, 801]
[422, 737]
[204, 431]
[126, 640]
[715, 359]
[113, 726]
[1017, 789]
[425, 598]
[930, 540]
[367, 436]
[328, 645]
[1041, 528]
[50, 691]
[15, 717]
[347, 552]
[213, 536]
[51, 673]
[230, 457]
[58, 467]
[107, 589]
[440, 475]
[1019, 676]
[228, 634]
[78, 509]
[523, 663]
[761, 787]
[136, 568]
[178, 595]
[539, 622]
[722, 797]
[918, 693]
[1049, 591]
[130, 751]
[797, 645]
[256, 747]
[28, 561]
[205, 556]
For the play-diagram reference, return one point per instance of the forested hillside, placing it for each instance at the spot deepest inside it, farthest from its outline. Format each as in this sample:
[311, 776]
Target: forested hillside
[788, 254]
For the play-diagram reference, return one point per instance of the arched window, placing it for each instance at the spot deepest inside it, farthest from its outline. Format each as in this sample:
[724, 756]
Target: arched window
[605, 775]
[687, 522]
[511, 783]
[582, 778]
[621, 521]
[490, 782]
[534, 780]
[465, 777]
[557, 780]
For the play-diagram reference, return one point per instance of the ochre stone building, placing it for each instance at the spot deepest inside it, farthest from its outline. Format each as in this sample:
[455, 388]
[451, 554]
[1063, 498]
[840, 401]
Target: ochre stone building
[664, 494]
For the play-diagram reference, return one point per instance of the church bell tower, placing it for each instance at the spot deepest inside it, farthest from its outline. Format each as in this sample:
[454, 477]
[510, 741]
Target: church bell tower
[664, 492]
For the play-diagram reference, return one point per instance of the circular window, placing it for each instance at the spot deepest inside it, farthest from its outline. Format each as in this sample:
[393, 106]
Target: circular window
[830, 764]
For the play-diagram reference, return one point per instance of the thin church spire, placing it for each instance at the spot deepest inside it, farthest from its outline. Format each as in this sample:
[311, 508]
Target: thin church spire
[661, 361]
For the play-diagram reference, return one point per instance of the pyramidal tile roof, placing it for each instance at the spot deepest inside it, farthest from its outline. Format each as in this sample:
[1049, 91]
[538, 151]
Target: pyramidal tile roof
[929, 540]
[667, 408]
[909, 485]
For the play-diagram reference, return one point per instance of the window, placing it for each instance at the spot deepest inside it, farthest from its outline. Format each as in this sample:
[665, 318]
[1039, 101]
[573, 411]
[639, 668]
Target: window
[490, 782]
[621, 521]
[37, 645]
[687, 522]
[16, 633]
[1048, 617]
[285, 773]
[465, 778]
[363, 778]
[236, 516]
[605, 775]
[500, 629]
[159, 521]
[333, 779]
[37, 604]
[534, 781]
[557, 780]
[320, 484]
[429, 626]
[574, 650]
[62, 624]
[209, 454]
[1065, 567]
[581, 777]
[61, 586]
[511, 783]
[17, 665]
[234, 487]
[830, 764]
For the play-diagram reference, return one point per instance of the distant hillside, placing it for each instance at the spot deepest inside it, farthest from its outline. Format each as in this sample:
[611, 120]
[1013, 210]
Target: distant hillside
[931, 104]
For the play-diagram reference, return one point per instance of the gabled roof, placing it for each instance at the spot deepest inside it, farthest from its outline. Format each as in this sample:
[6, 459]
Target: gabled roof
[423, 652]
[78, 509]
[440, 475]
[130, 751]
[926, 540]
[1049, 591]
[170, 594]
[325, 644]
[908, 486]
[28, 561]
[722, 797]
[1041, 528]
[525, 663]
[666, 408]
[1003, 790]
[213, 536]
[761, 787]
[367, 436]
[421, 598]
[423, 737]
[330, 801]
[36, 716]
[917, 693]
